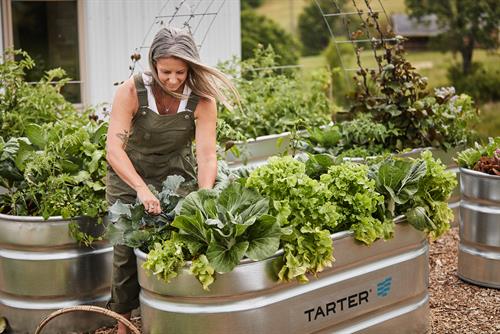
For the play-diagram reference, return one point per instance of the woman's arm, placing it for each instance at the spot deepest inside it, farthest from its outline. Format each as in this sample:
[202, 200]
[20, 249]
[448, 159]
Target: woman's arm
[206, 120]
[124, 105]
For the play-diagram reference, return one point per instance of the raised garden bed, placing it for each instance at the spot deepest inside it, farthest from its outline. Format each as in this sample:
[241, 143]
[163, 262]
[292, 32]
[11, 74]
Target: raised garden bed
[369, 289]
[44, 269]
[479, 250]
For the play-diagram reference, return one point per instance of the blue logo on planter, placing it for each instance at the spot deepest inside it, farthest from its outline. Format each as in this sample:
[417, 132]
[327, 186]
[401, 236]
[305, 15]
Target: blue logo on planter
[384, 287]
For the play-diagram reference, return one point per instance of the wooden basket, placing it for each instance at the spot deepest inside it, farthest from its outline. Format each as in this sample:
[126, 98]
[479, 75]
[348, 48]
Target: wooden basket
[88, 308]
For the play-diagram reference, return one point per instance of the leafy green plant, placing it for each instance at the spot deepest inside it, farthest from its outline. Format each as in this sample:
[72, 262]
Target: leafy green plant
[360, 137]
[417, 118]
[289, 204]
[165, 259]
[340, 198]
[482, 158]
[203, 271]
[306, 250]
[23, 103]
[418, 189]
[228, 226]
[133, 227]
[297, 199]
[215, 229]
[396, 95]
[357, 202]
[271, 102]
[322, 196]
[58, 169]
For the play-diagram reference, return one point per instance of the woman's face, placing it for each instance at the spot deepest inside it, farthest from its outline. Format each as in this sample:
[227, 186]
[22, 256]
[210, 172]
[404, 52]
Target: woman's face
[172, 72]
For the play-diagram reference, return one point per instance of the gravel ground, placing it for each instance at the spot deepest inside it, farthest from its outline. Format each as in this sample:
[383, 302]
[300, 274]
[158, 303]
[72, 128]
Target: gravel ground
[456, 306]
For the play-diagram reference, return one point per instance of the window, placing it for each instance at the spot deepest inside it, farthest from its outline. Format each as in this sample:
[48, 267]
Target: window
[48, 31]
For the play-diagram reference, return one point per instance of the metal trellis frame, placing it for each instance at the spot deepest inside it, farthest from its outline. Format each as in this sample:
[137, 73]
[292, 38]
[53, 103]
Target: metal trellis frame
[195, 14]
[353, 34]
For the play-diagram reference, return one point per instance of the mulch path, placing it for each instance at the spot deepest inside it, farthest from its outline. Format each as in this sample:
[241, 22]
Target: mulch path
[456, 306]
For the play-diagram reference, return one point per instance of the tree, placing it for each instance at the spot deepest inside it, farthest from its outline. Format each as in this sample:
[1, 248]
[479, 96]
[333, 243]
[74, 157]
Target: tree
[251, 3]
[314, 33]
[257, 29]
[466, 24]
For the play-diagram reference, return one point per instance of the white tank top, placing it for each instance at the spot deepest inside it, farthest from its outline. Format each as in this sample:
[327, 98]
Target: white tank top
[151, 99]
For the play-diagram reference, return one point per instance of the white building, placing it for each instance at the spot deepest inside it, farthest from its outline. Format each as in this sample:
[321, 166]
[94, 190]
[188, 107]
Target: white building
[94, 39]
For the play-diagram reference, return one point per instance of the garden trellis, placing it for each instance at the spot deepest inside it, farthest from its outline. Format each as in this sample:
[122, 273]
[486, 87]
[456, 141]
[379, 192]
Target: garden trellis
[375, 39]
[189, 14]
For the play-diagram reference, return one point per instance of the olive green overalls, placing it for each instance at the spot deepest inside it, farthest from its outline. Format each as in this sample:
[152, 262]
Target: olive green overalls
[158, 146]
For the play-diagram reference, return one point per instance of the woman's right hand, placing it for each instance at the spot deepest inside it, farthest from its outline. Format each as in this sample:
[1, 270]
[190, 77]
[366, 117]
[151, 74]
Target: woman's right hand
[150, 202]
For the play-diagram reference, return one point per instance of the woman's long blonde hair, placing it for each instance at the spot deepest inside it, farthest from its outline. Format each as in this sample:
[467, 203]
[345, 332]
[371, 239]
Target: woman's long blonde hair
[204, 81]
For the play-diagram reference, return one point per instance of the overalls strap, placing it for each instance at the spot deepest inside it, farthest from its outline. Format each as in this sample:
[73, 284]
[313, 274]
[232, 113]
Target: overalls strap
[142, 93]
[192, 102]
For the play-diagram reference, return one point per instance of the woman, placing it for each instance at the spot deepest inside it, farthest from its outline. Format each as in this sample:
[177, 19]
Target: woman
[154, 118]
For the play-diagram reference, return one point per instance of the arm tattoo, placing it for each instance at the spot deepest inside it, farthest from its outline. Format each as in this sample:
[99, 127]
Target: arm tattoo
[124, 136]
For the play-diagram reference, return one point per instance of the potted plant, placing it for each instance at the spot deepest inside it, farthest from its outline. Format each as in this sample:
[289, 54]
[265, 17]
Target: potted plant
[227, 239]
[274, 106]
[393, 110]
[479, 249]
[52, 172]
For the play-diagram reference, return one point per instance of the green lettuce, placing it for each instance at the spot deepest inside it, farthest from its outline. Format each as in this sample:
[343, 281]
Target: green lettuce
[306, 250]
[165, 259]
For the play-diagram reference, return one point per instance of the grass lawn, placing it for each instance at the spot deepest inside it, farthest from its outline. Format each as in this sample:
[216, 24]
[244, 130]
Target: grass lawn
[489, 124]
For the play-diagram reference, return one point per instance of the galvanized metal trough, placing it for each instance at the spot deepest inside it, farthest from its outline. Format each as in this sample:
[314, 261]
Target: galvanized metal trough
[479, 248]
[255, 152]
[43, 269]
[370, 289]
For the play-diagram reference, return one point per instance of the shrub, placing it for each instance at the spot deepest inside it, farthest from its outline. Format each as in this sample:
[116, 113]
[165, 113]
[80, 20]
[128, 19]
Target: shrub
[251, 3]
[314, 33]
[259, 30]
[481, 83]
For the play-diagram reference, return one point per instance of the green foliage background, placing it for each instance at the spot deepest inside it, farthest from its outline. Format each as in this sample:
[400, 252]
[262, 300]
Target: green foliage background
[259, 30]
[313, 30]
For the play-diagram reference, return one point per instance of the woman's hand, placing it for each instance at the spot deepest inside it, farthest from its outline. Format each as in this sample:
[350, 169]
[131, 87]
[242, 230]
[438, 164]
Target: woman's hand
[150, 202]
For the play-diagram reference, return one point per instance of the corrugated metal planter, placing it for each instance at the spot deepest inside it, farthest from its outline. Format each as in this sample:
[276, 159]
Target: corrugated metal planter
[376, 289]
[42, 269]
[479, 249]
